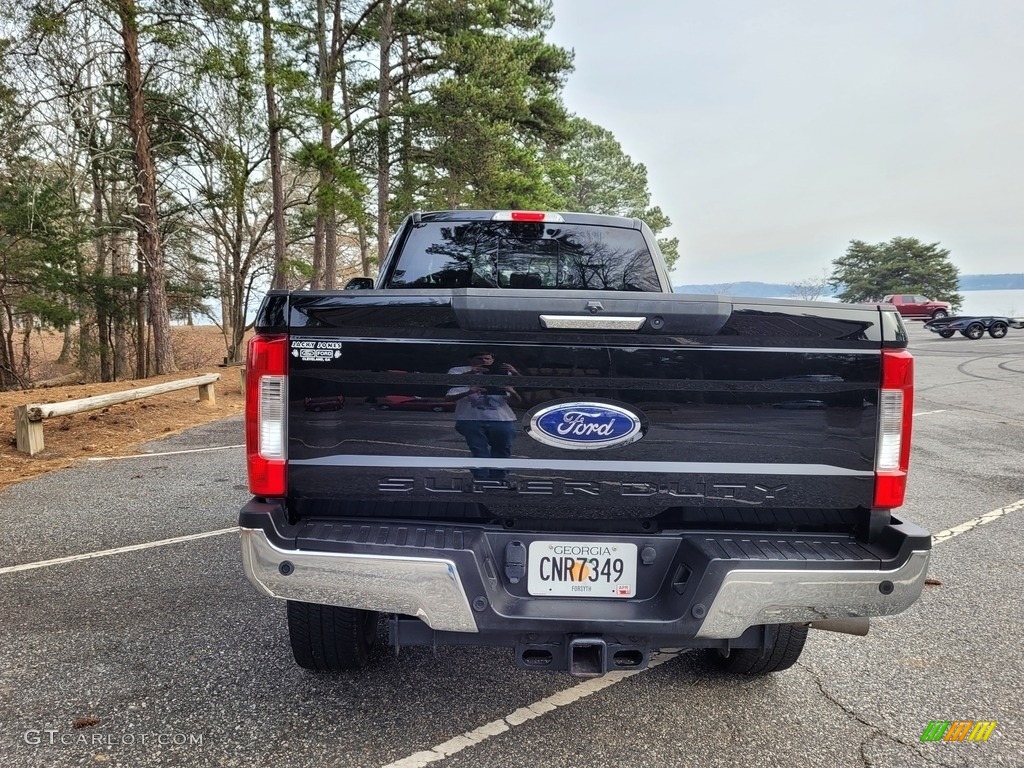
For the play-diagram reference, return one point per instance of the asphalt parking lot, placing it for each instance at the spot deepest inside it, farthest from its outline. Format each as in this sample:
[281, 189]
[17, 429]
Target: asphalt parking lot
[125, 613]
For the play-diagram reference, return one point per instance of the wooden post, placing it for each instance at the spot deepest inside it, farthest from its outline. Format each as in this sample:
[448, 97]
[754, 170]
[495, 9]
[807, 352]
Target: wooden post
[28, 434]
[206, 394]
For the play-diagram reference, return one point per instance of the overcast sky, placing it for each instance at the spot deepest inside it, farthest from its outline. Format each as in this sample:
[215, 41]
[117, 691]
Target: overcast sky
[776, 131]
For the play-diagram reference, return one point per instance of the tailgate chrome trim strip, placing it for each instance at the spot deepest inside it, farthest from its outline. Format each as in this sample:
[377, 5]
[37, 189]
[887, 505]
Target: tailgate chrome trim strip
[747, 598]
[428, 588]
[589, 465]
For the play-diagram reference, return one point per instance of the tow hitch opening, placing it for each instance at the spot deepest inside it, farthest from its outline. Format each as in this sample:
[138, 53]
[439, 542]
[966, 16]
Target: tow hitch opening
[588, 657]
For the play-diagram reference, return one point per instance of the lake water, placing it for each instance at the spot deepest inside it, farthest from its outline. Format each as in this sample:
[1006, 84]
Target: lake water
[993, 303]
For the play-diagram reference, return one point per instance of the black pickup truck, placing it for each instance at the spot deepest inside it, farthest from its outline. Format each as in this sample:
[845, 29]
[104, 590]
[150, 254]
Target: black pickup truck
[590, 467]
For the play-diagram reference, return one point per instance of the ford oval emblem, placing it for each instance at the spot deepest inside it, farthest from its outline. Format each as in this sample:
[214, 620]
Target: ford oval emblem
[585, 425]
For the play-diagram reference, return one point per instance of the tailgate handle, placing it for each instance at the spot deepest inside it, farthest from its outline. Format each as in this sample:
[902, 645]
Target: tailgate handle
[592, 323]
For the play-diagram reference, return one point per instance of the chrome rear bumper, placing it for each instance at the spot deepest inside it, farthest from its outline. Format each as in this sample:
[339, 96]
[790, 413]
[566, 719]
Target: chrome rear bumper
[747, 597]
[432, 589]
[427, 588]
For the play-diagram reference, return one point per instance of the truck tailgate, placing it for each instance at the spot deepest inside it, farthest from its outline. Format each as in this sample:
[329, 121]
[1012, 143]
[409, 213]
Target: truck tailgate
[747, 410]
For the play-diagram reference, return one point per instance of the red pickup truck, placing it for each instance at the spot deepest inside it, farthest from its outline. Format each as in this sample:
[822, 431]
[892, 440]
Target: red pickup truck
[915, 305]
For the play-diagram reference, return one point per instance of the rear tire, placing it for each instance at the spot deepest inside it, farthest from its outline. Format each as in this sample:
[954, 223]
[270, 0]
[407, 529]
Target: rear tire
[946, 334]
[997, 330]
[327, 638]
[974, 331]
[752, 662]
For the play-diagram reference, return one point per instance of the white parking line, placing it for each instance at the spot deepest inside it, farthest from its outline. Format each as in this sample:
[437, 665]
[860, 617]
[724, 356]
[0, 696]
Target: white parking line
[117, 551]
[524, 714]
[929, 413]
[970, 525]
[165, 453]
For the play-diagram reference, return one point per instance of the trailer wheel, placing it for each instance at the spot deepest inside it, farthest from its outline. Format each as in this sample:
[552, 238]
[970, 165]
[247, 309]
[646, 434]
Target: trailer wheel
[974, 331]
[938, 313]
[781, 653]
[946, 334]
[327, 638]
[997, 330]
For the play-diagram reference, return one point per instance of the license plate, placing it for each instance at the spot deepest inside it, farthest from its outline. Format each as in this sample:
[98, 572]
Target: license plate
[581, 569]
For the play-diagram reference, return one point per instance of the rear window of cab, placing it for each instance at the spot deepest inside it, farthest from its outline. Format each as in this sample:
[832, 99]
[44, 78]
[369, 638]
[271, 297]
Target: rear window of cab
[535, 255]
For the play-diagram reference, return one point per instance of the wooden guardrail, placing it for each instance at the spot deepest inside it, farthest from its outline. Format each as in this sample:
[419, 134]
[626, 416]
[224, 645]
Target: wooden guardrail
[28, 419]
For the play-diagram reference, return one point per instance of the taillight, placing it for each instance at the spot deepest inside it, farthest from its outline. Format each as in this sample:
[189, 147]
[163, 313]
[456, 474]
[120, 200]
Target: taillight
[266, 400]
[895, 414]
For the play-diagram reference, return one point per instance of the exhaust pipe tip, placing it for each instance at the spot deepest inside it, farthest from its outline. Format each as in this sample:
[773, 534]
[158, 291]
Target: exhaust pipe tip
[855, 626]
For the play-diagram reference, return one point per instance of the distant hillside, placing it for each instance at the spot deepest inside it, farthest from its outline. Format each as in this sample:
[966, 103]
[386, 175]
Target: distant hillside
[991, 282]
[751, 288]
[742, 289]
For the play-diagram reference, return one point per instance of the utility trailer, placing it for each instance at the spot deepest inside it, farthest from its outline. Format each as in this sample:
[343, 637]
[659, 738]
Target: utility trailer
[974, 327]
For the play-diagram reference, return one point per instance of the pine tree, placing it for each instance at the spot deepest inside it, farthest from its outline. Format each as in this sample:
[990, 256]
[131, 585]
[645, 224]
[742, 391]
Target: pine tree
[903, 265]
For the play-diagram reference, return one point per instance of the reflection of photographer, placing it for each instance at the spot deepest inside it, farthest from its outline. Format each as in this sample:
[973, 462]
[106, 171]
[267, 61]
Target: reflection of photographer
[483, 415]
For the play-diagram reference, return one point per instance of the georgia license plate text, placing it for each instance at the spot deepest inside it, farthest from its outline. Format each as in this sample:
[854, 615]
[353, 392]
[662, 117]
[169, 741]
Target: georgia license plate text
[581, 569]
